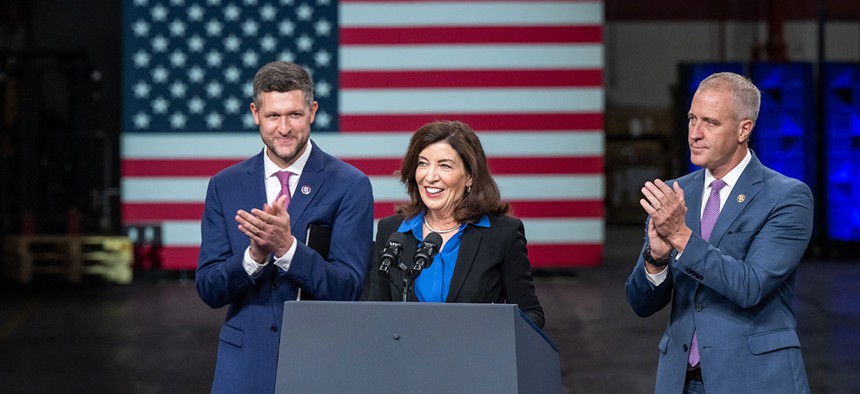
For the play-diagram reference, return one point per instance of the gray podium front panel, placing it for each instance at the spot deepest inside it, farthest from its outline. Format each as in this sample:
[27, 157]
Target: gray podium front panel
[391, 347]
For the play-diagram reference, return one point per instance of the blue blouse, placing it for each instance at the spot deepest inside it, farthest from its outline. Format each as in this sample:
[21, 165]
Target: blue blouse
[433, 283]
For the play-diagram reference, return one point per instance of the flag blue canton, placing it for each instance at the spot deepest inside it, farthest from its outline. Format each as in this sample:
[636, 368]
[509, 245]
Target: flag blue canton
[189, 64]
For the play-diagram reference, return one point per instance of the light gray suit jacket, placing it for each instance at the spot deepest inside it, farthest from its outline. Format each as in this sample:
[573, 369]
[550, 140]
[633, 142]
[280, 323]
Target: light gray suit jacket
[736, 289]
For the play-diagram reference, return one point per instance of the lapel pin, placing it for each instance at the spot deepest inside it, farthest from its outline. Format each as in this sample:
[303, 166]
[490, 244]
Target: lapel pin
[741, 198]
[306, 189]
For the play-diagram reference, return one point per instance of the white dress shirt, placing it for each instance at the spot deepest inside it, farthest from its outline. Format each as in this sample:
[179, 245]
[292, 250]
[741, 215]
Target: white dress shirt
[273, 187]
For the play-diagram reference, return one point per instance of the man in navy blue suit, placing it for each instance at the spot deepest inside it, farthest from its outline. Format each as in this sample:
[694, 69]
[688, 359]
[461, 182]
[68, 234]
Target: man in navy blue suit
[253, 255]
[722, 245]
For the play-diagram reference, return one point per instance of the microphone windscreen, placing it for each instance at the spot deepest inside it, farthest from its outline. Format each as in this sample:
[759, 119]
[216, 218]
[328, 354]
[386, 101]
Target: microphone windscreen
[435, 240]
[397, 237]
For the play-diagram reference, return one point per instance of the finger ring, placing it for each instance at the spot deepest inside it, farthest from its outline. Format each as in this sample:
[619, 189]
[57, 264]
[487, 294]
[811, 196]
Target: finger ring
[660, 207]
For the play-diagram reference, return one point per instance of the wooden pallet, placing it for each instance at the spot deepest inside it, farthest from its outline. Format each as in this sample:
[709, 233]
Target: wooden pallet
[70, 256]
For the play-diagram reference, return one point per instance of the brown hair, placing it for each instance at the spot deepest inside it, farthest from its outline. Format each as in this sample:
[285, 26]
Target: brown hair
[281, 76]
[483, 198]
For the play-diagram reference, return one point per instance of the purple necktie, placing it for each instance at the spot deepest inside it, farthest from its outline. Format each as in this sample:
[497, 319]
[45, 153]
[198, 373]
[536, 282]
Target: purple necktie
[709, 217]
[712, 209]
[284, 177]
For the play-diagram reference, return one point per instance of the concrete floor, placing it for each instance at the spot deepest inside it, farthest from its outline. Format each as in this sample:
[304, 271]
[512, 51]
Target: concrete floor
[156, 336]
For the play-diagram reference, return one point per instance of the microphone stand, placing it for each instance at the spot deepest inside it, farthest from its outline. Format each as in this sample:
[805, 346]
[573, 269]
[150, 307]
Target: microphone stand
[404, 290]
[409, 277]
[422, 259]
[408, 282]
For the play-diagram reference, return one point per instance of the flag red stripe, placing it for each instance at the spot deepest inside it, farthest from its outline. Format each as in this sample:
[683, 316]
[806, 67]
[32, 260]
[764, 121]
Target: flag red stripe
[557, 209]
[177, 258]
[174, 167]
[565, 255]
[592, 121]
[540, 255]
[370, 166]
[160, 211]
[478, 78]
[155, 212]
[471, 35]
[526, 209]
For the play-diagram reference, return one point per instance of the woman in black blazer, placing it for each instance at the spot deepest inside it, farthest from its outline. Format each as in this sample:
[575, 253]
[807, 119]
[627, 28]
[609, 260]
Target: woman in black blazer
[483, 256]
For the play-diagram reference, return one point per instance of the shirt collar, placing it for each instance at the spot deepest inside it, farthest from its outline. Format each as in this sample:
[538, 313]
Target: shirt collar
[732, 177]
[270, 168]
[414, 223]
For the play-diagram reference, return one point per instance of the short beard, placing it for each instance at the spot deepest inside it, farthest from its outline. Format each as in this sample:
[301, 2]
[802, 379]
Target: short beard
[289, 158]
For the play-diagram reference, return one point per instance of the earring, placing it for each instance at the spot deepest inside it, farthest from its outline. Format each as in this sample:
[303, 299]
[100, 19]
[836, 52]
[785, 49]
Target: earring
[468, 189]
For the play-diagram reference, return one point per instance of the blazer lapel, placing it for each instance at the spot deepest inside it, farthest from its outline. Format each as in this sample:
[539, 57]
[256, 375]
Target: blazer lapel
[693, 196]
[465, 258]
[255, 183]
[310, 183]
[748, 186]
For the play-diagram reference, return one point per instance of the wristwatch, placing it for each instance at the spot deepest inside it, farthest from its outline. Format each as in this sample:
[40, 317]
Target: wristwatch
[651, 260]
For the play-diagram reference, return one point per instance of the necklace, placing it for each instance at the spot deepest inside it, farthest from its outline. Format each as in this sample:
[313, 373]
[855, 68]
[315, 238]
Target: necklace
[440, 231]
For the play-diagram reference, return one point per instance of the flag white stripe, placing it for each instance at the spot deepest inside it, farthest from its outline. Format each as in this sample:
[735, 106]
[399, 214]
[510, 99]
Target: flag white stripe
[470, 57]
[239, 146]
[547, 187]
[163, 189]
[542, 144]
[387, 188]
[504, 101]
[550, 231]
[538, 231]
[180, 233]
[469, 14]
[177, 146]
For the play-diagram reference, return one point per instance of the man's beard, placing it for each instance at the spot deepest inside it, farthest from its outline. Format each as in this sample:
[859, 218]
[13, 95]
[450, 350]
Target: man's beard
[300, 146]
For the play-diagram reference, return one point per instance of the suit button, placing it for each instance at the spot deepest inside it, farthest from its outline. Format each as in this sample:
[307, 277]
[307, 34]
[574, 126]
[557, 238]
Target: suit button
[276, 285]
[685, 347]
[699, 307]
[274, 328]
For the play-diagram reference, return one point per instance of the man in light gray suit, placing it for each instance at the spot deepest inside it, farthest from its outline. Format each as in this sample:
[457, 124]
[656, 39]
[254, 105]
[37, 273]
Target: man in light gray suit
[722, 245]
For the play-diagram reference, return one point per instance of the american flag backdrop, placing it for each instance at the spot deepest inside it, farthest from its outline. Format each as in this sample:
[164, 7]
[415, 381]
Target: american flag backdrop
[526, 75]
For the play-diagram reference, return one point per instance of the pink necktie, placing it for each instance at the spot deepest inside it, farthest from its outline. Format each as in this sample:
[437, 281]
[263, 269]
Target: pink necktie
[284, 177]
[709, 217]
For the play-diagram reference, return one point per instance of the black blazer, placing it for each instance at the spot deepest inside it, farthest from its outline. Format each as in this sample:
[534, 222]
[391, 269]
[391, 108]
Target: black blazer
[492, 267]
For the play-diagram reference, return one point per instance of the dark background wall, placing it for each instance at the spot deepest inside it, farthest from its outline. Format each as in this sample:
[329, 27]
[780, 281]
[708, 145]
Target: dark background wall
[617, 10]
[60, 104]
[60, 79]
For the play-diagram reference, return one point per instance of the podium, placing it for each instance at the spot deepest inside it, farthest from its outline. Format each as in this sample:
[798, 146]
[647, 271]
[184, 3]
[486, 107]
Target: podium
[391, 347]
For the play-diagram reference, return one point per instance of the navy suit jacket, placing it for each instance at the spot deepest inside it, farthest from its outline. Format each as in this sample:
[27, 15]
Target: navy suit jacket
[330, 193]
[736, 289]
[492, 267]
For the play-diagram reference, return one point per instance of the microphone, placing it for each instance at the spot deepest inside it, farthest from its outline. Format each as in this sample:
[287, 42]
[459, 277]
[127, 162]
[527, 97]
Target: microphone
[391, 253]
[423, 257]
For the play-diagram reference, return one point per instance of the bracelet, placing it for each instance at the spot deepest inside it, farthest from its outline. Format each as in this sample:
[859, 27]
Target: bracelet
[651, 260]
